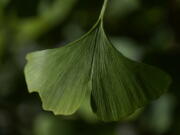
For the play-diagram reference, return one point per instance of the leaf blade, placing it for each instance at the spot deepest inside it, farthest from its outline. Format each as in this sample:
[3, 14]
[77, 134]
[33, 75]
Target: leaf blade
[118, 86]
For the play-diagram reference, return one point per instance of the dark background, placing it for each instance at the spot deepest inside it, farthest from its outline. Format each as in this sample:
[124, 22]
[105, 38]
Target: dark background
[144, 30]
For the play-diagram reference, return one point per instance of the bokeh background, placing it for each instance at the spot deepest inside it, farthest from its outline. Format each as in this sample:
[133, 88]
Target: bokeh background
[144, 30]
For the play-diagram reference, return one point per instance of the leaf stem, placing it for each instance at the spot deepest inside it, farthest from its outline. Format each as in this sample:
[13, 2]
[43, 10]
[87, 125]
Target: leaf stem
[101, 17]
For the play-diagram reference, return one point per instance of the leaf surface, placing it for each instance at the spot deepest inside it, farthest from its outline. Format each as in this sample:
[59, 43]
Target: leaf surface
[119, 85]
[92, 67]
[62, 75]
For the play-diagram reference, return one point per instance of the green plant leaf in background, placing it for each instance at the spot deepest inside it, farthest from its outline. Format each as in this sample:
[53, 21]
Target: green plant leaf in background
[92, 66]
[50, 16]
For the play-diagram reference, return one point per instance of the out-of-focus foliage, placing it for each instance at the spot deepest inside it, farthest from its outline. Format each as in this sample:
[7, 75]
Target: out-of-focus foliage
[121, 8]
[151, 30]
[49, 15]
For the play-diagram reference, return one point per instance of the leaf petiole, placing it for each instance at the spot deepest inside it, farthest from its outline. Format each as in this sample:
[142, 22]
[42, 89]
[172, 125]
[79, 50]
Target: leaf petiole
[101, 16]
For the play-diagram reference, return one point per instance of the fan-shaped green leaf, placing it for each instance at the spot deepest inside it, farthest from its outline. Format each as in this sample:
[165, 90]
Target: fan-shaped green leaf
[92, 66]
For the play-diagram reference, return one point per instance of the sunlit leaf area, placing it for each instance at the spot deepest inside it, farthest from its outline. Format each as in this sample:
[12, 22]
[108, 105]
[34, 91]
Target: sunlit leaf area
[68, 67]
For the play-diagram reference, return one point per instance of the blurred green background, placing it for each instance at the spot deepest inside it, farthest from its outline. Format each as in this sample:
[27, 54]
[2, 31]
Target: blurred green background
[144, 30]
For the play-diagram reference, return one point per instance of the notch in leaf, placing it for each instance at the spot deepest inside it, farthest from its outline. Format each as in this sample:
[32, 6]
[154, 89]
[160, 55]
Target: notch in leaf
[92, 66]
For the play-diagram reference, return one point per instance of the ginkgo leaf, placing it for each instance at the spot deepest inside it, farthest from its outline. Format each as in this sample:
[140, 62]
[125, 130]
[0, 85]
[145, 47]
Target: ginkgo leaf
[93, 67]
